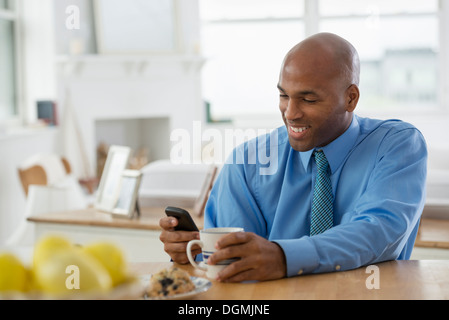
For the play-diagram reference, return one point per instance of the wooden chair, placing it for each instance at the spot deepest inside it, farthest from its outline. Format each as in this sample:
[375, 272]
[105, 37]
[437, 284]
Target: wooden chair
[49, 186]
[37, 170]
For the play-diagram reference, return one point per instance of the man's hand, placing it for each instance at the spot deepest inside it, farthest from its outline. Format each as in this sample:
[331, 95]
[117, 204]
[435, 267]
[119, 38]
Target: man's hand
[260, 259]
[175, 242]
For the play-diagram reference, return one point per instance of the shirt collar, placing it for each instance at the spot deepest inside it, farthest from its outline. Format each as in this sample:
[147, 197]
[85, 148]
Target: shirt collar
[337, 150]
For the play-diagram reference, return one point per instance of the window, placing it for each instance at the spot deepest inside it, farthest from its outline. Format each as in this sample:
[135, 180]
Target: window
[244, 43]
[398, 46]
[8, 77]
[246, 40]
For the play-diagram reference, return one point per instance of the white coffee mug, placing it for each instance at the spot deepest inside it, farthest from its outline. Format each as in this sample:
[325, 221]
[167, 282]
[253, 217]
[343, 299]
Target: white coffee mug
[208, 238]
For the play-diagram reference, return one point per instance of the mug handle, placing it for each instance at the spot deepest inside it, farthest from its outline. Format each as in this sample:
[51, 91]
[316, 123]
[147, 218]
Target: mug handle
[189, 254]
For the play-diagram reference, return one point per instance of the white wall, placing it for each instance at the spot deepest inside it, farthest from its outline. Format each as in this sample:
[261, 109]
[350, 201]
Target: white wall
[14, 150]
[106, 90]
[100, 89]
[36, 39]
[145, 86]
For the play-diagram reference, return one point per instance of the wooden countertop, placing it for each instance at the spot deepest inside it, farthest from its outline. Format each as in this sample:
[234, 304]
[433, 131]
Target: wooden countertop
[414, 279]
[149, 219]
[423, 279]
[433, 233]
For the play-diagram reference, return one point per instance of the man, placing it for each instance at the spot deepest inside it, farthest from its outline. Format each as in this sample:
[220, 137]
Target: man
[372, 173]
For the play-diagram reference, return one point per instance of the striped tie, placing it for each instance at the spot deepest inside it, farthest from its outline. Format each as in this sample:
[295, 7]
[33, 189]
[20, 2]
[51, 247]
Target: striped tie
[322, 202]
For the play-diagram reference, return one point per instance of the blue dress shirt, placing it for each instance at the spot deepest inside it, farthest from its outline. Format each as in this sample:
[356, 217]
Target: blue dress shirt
[378, 172]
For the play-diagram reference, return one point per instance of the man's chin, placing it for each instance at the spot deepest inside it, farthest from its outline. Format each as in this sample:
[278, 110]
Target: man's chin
[299, 146]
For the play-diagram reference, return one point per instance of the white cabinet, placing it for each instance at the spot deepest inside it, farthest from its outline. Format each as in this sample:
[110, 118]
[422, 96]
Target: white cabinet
[138, 237]
[138, 245]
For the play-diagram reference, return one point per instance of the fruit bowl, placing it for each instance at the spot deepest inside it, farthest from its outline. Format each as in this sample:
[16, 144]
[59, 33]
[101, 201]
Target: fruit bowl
[61, 270]
[132, 288]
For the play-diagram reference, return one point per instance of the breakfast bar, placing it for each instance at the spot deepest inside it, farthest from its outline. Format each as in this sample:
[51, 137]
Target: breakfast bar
[414, 279]
[138, 237]
[398, 280]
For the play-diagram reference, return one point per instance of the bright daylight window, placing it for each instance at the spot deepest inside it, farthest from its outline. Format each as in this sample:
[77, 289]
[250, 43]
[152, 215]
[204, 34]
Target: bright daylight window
[8, 104]
[246, 40]
[397, 41]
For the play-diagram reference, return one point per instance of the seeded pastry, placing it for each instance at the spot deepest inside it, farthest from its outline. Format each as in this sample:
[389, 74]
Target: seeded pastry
[168, 282]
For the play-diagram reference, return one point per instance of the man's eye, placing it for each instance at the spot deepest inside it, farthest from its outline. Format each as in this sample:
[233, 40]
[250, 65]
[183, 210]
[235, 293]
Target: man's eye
[283, 96]
[309, 101]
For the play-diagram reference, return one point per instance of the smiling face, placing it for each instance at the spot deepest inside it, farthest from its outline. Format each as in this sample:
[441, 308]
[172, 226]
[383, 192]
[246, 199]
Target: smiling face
[317, 93]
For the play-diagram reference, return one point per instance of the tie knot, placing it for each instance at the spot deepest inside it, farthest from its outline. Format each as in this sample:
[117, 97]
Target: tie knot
[321, 161]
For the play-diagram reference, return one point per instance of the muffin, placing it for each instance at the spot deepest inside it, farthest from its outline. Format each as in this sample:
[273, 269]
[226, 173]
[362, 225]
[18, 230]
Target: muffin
[169, 282]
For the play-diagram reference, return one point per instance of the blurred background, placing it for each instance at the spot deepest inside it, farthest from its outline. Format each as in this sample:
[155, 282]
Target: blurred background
[77, 76]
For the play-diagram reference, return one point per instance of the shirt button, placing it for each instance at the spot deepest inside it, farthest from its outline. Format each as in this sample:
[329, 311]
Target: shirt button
[300, 271]
[337, 267]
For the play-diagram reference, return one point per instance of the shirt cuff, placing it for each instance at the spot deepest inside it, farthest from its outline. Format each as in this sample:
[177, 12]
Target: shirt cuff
[300, 255]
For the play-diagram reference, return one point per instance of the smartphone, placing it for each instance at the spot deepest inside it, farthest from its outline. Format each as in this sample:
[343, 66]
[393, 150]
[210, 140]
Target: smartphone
[185, 221]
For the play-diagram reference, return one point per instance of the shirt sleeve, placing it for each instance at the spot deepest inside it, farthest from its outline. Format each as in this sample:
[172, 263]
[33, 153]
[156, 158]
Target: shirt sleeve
[232, 201]
[385, 217]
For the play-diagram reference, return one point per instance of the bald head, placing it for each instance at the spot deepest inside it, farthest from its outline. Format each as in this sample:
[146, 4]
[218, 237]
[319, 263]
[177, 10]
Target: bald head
[318, 90]
[329, 54]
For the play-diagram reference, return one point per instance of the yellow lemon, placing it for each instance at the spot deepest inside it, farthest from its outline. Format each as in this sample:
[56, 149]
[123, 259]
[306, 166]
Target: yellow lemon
[32, 284]
[13, 274]
[47, 246]
[111, 257]
[71, 271]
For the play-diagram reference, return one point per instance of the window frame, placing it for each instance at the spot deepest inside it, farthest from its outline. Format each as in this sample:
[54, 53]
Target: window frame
[312, 19]
[12, 14]
[441, 105]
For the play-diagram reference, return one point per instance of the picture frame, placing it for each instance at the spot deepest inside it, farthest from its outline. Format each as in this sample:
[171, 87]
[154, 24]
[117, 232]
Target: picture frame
[151, 26]
[200, 201]
[109, 186]
[126, 201]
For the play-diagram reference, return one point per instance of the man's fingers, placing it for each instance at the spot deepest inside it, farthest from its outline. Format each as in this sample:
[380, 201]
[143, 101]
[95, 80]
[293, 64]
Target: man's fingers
[237, 274]
[168, 223]
[233, 238]
[182, 258]
[243, 269]
[180, 247]
[259, 259]
[175, 242]
[178, 236]
[230, 252]
[177, 251]
[230, 246]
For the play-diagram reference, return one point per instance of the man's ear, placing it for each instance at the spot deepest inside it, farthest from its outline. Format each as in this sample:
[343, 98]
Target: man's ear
[353, 95]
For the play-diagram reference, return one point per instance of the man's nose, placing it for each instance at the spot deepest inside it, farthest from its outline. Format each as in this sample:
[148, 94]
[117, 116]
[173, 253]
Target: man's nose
[293, 111]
